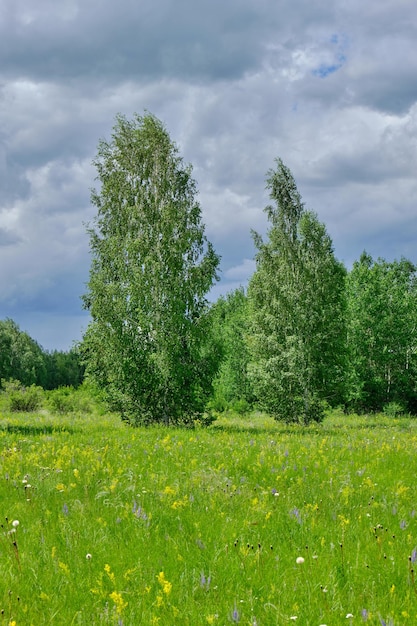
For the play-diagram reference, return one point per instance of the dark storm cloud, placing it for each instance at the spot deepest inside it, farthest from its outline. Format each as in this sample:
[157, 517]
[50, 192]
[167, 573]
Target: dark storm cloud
[69, 40]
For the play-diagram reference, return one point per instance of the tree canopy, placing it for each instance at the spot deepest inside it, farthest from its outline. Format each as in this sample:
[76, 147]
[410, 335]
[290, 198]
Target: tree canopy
[382, 337]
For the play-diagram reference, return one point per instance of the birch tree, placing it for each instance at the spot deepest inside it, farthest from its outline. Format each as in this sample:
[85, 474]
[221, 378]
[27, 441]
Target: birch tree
[151, 269]
[297, 309]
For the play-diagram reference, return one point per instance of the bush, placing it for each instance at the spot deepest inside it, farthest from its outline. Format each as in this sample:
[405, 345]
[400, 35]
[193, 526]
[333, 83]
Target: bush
[66, 400]
[394, 409]
[62, 400]
[206, 419]
[217, 404]
[21, 399]
[241, 407]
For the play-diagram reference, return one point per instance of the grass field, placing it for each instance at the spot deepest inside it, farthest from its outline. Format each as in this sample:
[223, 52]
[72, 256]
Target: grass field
[248, 522]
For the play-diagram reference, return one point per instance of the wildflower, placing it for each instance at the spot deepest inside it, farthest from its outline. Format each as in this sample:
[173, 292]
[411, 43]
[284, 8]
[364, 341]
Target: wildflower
[235, 615]
[88, 556]
[169, 491]
[349, 616]
[109, 573]
[364, 614]
[414, 555]
[15, 523]
[120, 604]
[165, 584]
[205, 582]
[299, 560]
[64, 567]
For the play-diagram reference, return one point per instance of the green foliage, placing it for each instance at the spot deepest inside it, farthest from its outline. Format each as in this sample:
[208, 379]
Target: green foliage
[229, 326]
[382, 314]
[393, 409]
[21, 357]
[241, 407]
[151, 270]
[21, 399]
[66, 400]
[63, 369]
[297, 310]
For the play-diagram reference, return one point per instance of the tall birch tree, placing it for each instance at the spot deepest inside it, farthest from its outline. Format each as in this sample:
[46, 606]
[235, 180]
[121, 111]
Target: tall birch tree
[152, 267]
[297, 309]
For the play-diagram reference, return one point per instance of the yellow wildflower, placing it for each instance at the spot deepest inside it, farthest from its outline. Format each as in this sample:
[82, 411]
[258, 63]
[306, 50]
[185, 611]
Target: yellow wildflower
[64, 567]
[118, 601]
[169, 491]
[165, 584]
[109, 573]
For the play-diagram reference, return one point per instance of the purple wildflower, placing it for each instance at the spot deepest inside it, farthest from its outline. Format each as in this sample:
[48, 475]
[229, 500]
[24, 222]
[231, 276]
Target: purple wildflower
[65, 509]
[296, 513]
[364, 614]
[235, 615]
[205, 582]
[414, 555]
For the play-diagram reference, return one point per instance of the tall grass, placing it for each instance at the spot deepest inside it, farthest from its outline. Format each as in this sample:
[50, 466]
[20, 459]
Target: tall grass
[248, 522]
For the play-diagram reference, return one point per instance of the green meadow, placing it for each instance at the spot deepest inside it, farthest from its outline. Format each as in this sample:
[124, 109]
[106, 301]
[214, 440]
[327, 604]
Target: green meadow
[247, 521]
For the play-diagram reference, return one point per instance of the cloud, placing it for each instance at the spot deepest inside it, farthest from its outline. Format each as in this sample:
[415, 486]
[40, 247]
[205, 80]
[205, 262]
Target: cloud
[8, 238]
[329, 88]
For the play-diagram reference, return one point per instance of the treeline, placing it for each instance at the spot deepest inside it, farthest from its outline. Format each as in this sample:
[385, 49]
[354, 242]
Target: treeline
[378, 347]
[306, 335]
[23, 359]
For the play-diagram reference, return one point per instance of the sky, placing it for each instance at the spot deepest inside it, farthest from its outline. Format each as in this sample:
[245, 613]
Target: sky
[328, 86]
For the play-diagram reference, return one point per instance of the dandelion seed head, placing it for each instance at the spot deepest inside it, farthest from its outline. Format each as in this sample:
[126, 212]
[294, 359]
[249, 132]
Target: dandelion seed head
[299, 560]
[15, 523]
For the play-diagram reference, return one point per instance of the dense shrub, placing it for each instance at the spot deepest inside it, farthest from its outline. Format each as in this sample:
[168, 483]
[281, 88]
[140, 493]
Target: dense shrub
[20, 398]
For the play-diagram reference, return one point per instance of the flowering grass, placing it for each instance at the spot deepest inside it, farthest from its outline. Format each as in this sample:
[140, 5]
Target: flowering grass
[248, 521]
